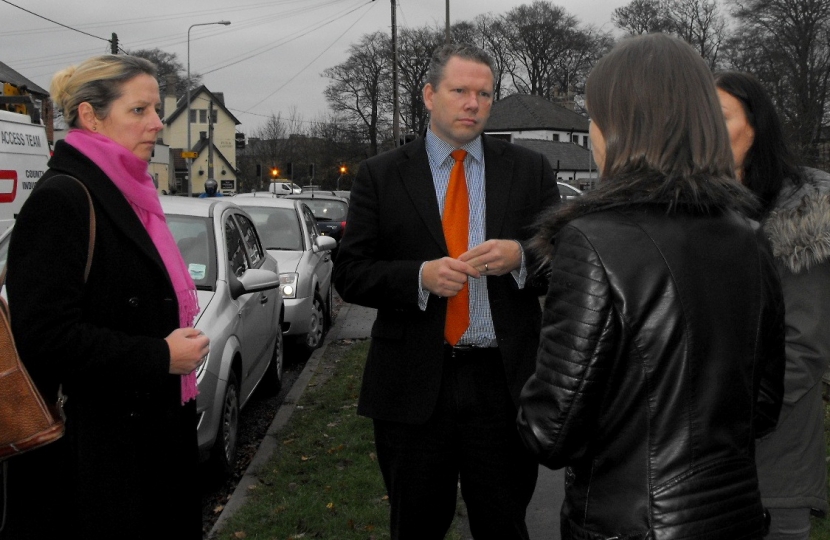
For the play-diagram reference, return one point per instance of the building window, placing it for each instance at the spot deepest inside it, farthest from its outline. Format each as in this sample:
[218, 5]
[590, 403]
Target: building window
[575, 138]
[555, 137]
[202, 116]
[585, 142]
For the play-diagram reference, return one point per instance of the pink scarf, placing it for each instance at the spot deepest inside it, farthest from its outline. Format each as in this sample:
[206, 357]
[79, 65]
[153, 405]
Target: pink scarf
[129, 174]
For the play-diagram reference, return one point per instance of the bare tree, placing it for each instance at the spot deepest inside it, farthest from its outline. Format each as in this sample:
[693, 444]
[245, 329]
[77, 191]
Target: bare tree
[571, 66]
[536, 35]
[359, 90]
[168, 64]
[641, 17]
[786, 43]
[492, 37]
[701, 24]
[415, 48]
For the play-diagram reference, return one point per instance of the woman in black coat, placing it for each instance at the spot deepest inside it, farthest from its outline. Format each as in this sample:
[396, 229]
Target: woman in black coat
[795, 215]
[118, 343]
[661, 352]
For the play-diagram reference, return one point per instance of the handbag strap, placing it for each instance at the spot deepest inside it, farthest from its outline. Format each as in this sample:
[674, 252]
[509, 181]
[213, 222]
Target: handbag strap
[90, 249]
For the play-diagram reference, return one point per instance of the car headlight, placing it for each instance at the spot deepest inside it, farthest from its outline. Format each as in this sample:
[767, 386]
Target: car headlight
[288, 284]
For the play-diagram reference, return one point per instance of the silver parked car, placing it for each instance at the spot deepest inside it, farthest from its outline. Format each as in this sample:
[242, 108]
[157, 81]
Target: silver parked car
[290, 233]
[241, 311]
[567, 191]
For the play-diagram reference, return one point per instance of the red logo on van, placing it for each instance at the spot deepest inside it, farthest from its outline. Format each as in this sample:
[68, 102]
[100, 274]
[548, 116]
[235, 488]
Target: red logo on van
[8, 176]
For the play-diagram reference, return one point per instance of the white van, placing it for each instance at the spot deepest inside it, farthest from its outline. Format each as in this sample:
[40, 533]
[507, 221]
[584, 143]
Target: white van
[24, 153]
[281, 187]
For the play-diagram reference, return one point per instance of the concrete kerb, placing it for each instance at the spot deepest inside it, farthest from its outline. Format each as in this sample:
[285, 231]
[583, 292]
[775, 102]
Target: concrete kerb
[270, 443]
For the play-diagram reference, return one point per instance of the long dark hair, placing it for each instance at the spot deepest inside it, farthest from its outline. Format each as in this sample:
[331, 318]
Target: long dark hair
[654, 100]
[769, 161]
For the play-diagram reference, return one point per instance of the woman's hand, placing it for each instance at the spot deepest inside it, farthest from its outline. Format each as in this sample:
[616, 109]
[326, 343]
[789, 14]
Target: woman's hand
[188, 349]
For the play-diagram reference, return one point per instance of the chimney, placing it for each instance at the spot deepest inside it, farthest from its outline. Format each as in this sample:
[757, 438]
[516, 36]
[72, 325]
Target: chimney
[170, 96]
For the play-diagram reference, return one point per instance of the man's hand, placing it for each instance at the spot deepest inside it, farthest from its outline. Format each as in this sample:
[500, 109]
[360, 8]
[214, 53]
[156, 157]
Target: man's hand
[446, 276]
[494, 257]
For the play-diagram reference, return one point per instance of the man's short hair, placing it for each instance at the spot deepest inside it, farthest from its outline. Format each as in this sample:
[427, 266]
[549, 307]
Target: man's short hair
[442, 55]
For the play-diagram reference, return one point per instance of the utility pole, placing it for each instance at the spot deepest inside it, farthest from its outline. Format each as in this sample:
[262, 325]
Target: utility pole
[210, 141]
[447, 38]
[114, 43]
[396, 120]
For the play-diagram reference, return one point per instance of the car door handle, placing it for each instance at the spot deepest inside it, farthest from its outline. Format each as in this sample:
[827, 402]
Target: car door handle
[263, 299]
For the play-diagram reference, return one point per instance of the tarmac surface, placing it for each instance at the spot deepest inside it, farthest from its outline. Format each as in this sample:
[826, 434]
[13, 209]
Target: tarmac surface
[355, 322]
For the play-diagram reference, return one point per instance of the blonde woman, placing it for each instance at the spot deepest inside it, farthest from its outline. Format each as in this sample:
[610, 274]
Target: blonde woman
[120, 343]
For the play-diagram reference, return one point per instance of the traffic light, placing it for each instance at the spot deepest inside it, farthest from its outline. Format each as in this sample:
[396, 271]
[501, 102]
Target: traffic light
[275, 172]
[311, 170]
[343, 169]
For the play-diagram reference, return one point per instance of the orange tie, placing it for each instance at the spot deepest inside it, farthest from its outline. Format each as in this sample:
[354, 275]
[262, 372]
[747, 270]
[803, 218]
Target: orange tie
[456, 223]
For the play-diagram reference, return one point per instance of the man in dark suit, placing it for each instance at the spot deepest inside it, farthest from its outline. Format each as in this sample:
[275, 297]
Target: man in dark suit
[444, 408]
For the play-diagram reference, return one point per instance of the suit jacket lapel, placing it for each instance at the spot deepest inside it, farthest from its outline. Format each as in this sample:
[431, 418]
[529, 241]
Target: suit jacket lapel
[498, 182]
[416, 177]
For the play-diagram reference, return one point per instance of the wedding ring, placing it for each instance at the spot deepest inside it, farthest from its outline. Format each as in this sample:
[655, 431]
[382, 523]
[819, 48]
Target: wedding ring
[486, 268]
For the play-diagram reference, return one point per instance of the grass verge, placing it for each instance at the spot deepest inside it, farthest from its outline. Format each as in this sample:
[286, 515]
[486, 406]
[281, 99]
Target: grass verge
[820, 527]
[323, 482]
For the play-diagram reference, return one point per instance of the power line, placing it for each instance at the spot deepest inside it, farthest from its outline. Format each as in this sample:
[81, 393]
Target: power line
[302, 33]
[309, 64]
[55, 22]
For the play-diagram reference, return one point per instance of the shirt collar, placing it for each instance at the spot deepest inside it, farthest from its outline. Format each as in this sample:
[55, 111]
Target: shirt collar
[438, 148]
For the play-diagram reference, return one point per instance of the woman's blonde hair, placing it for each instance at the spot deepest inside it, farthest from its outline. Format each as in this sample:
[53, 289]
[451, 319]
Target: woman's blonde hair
[654, 100]
[97, 81]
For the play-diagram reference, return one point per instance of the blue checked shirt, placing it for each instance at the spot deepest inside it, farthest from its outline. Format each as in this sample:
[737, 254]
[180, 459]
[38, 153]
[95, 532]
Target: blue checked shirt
[480, 332]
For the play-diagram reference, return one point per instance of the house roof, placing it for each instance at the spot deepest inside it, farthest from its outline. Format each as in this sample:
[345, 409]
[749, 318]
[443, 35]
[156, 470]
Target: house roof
[523, 112]
[9, 75]
[563, 156]
[217, 98]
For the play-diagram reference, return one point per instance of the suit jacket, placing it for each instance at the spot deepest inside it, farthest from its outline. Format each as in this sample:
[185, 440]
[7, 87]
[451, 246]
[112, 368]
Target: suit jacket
[394, 225]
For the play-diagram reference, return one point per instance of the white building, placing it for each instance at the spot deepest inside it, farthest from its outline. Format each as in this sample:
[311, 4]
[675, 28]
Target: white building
[551, 129]
[213, 139]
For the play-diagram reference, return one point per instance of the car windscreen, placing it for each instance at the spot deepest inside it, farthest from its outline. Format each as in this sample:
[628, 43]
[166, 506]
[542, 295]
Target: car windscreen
[194, 236]
[278, 228]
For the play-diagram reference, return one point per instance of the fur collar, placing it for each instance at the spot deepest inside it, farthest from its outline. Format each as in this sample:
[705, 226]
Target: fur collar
[799, 226]
[698, 195]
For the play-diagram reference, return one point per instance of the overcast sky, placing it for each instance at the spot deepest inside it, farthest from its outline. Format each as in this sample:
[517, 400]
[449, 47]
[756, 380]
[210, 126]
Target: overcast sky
[268, 61]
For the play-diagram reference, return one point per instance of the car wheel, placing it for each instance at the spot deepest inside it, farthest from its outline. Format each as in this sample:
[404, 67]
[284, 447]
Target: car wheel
[316, 325]
[224, 449]
[273, 375]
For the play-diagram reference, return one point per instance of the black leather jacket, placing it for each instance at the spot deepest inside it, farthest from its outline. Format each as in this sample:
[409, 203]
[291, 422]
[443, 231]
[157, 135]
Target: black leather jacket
[661, 360]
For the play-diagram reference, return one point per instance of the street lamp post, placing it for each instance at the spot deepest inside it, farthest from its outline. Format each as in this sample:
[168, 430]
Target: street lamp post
[189, 146]
[342, 173]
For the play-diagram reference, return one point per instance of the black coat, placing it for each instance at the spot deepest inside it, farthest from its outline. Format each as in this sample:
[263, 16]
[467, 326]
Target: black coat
[394, 225]
[128, 460]
[660, 361]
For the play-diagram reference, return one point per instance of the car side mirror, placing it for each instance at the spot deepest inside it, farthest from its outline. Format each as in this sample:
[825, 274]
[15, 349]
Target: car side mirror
[324, 243]
[253, 280]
